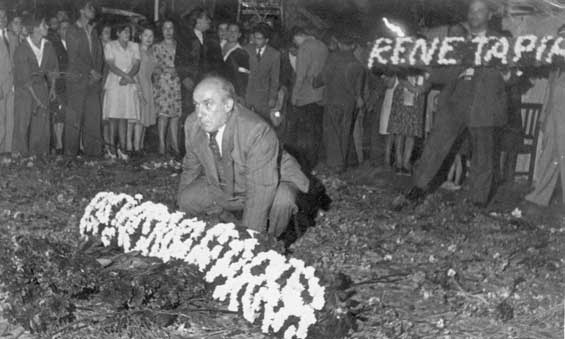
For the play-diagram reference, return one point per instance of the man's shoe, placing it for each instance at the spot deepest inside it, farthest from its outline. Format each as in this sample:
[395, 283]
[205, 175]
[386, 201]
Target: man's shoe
[415, 196]
[480, 205]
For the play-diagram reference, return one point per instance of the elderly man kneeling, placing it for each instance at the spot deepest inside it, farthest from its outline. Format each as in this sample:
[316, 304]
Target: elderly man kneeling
[234, 163]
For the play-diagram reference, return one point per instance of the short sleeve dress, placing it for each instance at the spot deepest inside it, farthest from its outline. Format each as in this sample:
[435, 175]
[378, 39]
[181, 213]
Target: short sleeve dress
[167, 85]
[121, 101]
[407, 113]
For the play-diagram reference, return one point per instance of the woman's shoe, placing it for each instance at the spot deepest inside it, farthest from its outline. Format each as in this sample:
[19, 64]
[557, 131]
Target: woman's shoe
[108, 154]
[122, 155]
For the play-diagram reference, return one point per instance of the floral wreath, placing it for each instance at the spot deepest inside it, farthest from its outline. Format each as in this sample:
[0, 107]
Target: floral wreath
[523, 51]
[283, 295]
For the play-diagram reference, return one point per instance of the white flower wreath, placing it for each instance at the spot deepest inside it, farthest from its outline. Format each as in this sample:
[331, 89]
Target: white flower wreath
[283, 295]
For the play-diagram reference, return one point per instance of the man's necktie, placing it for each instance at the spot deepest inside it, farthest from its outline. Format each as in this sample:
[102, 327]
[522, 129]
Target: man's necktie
[213, 143]
[259, 55]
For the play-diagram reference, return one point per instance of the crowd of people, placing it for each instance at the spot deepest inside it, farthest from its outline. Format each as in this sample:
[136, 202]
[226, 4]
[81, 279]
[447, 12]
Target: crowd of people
[83, 86]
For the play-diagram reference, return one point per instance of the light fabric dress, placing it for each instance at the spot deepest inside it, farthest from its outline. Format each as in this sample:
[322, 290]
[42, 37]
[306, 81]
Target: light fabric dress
[167, 84]
[121, 101]
[146, 68]
[386, 109]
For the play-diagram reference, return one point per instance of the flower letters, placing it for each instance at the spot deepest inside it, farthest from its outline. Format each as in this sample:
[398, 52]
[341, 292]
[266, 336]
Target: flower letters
[526, 50]
[283, 296]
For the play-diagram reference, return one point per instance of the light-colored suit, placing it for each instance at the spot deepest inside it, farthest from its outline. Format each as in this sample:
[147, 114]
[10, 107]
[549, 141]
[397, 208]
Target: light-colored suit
[258, 179]
[7, 92]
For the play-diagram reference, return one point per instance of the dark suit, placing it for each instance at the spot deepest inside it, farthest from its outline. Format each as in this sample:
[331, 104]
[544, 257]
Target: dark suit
[84, 112]
[263, 84]
[63, 60]
[477, 105]
[7, 92]
[31, 123]
[258, 179]
[194, 59]
[236, 70]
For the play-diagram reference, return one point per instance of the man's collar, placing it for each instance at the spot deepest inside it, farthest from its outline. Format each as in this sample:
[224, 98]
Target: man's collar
[229, 51]
[199, 34]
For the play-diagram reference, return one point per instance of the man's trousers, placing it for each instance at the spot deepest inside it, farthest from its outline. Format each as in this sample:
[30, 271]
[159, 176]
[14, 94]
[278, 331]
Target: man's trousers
[201, 197]
[6, 119]
[305, 131]
[438, 146]
[83, 119]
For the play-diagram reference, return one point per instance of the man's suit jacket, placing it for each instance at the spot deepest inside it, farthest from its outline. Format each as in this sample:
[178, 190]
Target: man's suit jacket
[7, 63]
[62, 58]
[488, 98]
[263, 83]
[310, 61]
[194, 59]
[252, 160]
[81, 60]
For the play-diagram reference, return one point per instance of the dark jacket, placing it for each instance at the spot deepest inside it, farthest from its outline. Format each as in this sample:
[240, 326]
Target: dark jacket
[481, 101]
[263, 84]
[236, 69]
[344, 77]
[194, 59]
[62, 58]
[81, 59]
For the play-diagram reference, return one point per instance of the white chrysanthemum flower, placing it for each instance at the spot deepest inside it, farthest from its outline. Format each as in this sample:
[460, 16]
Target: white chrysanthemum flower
[290, 332]
[151, 229]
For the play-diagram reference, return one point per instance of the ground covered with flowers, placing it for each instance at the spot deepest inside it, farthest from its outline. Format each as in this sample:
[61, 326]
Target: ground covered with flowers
[441, 270]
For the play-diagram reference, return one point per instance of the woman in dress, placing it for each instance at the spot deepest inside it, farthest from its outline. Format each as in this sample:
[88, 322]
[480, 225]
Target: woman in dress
[144, 78]
[406, 120]
[167, 88]
[35, 72]
[121, 97]
[391, 84]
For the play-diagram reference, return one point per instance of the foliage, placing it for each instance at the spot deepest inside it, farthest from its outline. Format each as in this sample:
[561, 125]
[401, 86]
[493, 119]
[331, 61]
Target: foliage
[50, 284]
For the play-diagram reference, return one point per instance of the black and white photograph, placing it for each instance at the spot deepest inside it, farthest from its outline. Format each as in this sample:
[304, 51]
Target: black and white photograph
[293, 169]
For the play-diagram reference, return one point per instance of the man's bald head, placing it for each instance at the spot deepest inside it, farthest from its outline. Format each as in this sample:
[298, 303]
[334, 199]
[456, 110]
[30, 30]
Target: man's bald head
[218, 83]
[214, 99]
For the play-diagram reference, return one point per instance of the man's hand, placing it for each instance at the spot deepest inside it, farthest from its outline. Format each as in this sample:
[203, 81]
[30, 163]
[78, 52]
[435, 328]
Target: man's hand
[95, 75]
[42, 105]
[360, 103]
[52, 94]
[276, 117]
